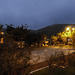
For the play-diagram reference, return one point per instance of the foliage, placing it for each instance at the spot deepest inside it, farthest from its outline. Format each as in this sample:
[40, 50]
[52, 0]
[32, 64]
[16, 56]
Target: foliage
[1, 26]
[18, 33]
[21, 33]
[60, 61]
[65, 37]
[54, 39]
[73, 39]
[13, 60]
[54, 29]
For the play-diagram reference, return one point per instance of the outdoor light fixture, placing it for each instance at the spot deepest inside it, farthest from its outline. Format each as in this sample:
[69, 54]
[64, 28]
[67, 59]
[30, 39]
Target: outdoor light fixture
[68, 28]
[72, 28]
[2, 33]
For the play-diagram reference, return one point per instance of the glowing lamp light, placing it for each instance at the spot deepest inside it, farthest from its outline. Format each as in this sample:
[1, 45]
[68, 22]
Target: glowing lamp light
[68, 29]
[2, 33]
[1, 40]
[72, 28]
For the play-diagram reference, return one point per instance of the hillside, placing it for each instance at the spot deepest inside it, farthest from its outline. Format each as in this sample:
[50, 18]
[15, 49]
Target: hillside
[54, 29]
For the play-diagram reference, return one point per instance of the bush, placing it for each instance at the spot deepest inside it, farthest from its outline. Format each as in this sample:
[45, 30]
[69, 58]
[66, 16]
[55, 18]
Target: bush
[60, 61]
[14, 60]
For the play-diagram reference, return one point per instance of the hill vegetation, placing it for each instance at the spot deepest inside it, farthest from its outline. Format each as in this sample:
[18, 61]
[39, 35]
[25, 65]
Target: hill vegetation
[54, 29]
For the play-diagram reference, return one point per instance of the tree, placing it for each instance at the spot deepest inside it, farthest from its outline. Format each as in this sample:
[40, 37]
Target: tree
[1, 26]
[54, 39]
[64, 37]
[13, 61]
[10, 28]
[73, 39]
[59, 37]
[19, 33]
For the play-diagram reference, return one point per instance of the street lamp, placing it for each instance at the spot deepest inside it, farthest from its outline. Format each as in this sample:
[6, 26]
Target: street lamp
[2, 32]
[68, 28]
[73, 29]
[69, 33]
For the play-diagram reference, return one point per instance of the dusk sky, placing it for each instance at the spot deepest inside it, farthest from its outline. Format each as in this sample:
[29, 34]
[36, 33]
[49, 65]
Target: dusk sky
[37, 13]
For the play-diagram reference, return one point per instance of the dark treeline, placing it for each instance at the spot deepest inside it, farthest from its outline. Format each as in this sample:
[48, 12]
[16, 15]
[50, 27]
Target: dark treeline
[21, 33]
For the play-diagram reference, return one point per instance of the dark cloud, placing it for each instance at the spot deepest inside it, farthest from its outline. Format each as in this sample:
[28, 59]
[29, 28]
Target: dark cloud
[37, 13]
